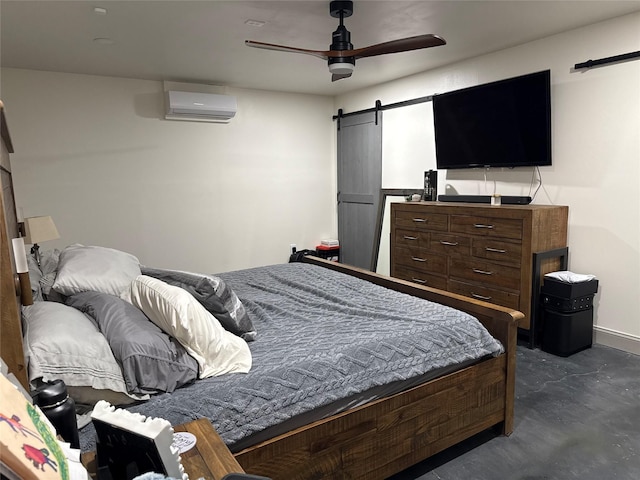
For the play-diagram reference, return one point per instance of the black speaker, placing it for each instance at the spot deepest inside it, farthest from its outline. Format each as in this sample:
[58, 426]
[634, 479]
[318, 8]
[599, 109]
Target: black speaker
[430, 186]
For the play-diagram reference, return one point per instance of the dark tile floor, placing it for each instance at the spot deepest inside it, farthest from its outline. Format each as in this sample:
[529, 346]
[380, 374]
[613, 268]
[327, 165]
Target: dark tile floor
[575, 418]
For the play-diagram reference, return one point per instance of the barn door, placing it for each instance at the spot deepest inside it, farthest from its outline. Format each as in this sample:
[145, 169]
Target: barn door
[359, 183]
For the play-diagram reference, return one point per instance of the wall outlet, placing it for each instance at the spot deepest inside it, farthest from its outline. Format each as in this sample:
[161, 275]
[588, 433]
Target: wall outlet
[293, 248]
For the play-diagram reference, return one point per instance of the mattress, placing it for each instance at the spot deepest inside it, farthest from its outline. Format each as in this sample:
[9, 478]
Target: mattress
[325, 342]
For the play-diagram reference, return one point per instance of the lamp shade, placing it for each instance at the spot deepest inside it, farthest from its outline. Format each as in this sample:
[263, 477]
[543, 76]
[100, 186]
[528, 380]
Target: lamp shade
[40, 229]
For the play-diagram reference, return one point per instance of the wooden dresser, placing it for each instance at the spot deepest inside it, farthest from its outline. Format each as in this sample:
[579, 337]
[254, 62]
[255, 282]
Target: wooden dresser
[477, 250]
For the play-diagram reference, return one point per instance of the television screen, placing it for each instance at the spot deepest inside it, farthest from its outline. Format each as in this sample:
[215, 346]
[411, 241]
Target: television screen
[500, 124]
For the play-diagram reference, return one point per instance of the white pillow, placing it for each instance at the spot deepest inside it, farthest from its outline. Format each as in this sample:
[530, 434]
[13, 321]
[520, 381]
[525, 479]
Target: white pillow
[61, 342]
[179, 314]
[97, 269]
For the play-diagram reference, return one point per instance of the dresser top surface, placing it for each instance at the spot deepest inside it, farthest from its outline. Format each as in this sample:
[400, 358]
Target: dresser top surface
[479, 206]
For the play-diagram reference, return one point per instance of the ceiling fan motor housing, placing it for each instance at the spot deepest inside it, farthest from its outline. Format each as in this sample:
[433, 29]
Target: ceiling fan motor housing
[341, 39]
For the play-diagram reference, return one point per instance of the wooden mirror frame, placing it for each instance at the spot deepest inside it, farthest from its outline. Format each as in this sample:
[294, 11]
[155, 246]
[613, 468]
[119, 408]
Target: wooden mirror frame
[384, 193]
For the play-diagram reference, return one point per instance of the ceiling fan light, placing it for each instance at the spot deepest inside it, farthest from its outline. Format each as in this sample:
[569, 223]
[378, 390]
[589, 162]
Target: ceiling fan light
[341, 68]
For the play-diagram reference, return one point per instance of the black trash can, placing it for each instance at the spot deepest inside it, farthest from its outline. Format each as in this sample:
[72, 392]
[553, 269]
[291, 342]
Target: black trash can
[567, 301]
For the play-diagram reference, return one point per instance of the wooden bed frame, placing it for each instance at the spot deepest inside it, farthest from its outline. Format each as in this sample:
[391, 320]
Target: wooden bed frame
[373, 441]
[388, 435]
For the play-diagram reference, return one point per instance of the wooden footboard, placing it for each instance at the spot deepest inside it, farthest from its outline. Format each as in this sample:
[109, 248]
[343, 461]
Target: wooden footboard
[386, 436]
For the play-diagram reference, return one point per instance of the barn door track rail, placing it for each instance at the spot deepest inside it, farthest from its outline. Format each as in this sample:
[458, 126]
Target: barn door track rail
[605, 61]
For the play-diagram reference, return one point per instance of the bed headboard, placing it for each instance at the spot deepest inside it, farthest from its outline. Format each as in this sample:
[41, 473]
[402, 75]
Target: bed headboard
[10, 324]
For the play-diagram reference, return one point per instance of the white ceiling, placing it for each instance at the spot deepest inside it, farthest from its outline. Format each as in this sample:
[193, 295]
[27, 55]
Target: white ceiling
[203, 41]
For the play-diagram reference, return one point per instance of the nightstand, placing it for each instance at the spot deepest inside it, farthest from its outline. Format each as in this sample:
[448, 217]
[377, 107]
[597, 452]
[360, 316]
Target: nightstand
[209, 459]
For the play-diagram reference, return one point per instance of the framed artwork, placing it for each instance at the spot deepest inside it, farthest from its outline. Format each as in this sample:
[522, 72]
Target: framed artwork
[29, 449]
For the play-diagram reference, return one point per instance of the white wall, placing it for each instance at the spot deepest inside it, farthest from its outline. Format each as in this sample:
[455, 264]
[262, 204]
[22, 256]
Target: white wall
[96, 154]
[596, 153]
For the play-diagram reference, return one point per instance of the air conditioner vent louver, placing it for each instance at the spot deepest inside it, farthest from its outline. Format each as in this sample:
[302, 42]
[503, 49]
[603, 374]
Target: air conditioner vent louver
[200, 107]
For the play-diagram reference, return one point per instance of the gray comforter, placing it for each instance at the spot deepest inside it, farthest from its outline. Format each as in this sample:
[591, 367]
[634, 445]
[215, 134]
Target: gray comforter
[321, 336]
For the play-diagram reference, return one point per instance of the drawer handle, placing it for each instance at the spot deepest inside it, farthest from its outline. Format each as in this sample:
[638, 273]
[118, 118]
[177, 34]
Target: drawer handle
[420, 220]
[407, 237]
[495, 250]
[417, 280]
[480, 297]
[417, 259]
[482, 225]
[483, 272]
[452, 244]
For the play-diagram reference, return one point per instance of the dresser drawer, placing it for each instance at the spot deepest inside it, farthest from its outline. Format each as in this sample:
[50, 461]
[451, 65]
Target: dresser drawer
[491, 295]
[493, 227]
[491, 249]
[487, 273]
[422, 220]
[453, 245]
[421, 260]
[421, 278]
[412, 238]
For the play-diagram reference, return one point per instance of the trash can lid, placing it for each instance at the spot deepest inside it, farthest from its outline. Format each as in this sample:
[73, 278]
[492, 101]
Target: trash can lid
[570, 277]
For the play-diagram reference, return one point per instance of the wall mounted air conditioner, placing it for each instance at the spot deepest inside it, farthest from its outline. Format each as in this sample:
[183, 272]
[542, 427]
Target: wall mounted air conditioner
[200, 107]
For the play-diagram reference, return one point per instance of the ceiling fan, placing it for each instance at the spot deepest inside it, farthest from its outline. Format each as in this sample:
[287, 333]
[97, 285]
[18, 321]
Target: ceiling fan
[342, 56]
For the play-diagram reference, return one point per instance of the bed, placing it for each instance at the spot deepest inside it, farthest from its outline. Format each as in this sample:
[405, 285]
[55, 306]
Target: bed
[379, 429]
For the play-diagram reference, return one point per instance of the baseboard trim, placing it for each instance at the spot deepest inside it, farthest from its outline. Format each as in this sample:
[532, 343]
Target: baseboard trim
[615, 339]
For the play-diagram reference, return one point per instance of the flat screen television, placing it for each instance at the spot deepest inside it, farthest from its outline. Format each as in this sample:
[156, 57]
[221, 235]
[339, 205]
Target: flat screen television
[500, 124]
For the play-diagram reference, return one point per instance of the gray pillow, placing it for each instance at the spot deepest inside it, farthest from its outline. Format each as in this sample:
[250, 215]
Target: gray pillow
[35, 275]
[43, 276]
[151, 360]
[95, 269]
[62, 343]
[49, 266]
[214, 295]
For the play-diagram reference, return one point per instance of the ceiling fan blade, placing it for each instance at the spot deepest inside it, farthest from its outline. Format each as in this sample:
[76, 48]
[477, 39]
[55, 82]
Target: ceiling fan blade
[338, 76]
[396, 46]
[282, 48]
